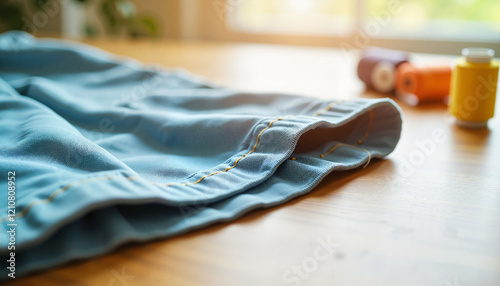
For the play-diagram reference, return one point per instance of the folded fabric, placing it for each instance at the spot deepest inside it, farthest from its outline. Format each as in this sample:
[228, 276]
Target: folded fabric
[107, 151]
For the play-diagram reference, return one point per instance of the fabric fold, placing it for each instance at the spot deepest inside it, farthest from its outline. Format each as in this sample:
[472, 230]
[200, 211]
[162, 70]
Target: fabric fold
[108, 151]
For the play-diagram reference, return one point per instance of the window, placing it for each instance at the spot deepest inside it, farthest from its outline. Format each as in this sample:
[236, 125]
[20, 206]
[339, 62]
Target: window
[294, 16]
[461, 20]
[474, 20]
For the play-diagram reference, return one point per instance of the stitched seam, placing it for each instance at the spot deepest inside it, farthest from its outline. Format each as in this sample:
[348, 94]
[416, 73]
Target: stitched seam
[61, 190]
[352, 146]
[328, 107]
[360, 141]
[228, 168]
[368, 130]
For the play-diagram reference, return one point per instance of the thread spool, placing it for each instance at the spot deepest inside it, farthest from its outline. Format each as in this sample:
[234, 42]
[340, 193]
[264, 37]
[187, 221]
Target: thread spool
[473, 88]
[377, 68]
[417, 84]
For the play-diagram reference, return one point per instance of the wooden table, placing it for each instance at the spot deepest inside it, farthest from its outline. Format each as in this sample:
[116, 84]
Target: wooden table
[406, 220]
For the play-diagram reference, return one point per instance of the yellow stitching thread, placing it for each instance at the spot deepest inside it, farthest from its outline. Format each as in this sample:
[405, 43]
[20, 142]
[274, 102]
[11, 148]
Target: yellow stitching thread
[342, 144]
[68, 186]
[370, 125]
[328, 107]
[51, 198]
[228, 168]
[60, 191]
[360, 141]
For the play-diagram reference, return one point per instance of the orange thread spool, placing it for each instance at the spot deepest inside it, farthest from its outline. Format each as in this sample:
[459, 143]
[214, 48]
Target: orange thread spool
[416, 84]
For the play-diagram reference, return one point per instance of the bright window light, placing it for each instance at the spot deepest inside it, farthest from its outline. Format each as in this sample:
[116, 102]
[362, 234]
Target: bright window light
[294, 16]
[464, 20]
[443, 19]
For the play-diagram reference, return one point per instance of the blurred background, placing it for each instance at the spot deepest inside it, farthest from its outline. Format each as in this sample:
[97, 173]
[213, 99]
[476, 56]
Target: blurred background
[434, 26]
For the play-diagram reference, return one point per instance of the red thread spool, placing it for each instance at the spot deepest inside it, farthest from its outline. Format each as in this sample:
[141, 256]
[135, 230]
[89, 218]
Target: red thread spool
[377, 68]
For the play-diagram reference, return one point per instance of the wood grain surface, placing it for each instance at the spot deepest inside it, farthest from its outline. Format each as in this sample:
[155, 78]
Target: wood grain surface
[428, 214]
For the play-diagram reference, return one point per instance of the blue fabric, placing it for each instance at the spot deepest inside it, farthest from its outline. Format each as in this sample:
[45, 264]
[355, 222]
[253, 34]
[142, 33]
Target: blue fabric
[108, 151]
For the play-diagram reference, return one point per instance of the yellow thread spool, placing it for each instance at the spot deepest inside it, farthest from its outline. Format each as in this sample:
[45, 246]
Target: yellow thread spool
[473, 88]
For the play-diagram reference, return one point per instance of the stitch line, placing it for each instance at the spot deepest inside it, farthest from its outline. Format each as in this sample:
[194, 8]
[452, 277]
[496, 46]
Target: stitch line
[328, 107]
[368, 130]
[360, 141]
[352, 146]
[61, 190]
[235, 163]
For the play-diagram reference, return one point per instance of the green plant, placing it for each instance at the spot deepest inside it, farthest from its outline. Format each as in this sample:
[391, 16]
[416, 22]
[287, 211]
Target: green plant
[122, 14]
[10, 16]
[115, 15]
